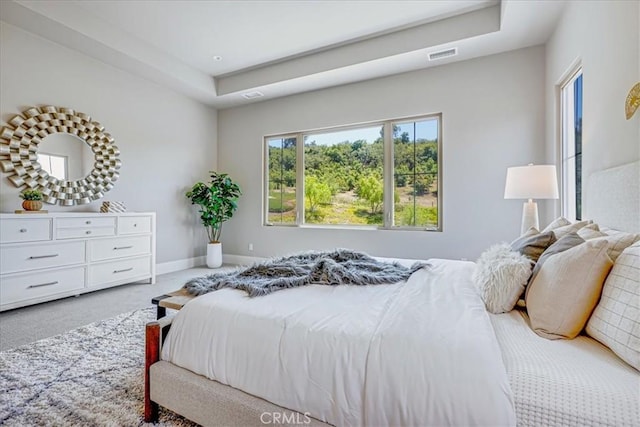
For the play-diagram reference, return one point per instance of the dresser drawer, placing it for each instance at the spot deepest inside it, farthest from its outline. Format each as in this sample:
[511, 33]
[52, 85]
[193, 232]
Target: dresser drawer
[24, 287]
[88, 232]
[31, 257]
[86, 222]
[25, 230]
[134, 224]
[120, 270]
[119, 247]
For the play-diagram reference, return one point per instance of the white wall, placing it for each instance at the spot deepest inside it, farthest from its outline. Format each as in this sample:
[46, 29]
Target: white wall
[493, 118]
[167, 141]
[605, 37]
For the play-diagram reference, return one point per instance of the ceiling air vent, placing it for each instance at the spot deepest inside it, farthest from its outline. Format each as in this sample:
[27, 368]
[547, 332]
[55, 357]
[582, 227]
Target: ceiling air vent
[252, 95]
[443, 54]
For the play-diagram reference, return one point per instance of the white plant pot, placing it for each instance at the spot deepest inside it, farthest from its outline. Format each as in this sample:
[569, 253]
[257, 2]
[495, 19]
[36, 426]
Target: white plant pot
[214, 255]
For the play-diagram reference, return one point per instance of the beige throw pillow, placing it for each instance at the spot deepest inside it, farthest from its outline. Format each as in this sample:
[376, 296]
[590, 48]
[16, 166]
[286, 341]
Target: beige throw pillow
[590, 231]
[617, 241]
[532, 231]
[560, 232]
[567, 242]
[566, 289]
[616, 320]
[558, 222]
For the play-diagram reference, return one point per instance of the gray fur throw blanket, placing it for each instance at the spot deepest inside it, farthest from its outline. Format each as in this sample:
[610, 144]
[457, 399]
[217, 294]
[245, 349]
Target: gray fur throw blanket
[339, 267]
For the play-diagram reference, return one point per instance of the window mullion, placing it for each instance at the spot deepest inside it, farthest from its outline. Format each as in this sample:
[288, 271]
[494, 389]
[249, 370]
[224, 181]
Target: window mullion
[415, 177]
[299, 179]
[388, 182]
[265, 177]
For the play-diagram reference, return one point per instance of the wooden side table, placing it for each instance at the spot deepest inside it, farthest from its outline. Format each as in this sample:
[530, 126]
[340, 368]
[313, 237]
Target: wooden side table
[174, 300]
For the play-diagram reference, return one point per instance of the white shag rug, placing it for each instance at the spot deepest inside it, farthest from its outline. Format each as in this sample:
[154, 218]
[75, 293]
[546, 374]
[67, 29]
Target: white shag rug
[90, 376]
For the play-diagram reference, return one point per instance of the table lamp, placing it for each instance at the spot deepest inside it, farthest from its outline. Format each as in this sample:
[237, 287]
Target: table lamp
[531, 182]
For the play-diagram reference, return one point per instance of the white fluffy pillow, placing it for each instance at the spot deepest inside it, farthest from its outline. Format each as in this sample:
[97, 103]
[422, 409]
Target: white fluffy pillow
[501, 275]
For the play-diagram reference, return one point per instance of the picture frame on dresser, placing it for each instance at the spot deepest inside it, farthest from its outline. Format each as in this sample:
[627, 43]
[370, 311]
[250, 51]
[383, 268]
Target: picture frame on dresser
[56, 255]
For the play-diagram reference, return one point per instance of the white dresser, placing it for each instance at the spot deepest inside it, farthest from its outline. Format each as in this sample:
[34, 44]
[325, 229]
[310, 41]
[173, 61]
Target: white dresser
[49, 256]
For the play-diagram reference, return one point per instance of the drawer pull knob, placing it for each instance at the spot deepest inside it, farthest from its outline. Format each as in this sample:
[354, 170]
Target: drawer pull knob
[135, 225]
[23, 230]
[122, 271]
[43, 256]
[88, 232]
[122, 247]
[43, 284]
[88, 222]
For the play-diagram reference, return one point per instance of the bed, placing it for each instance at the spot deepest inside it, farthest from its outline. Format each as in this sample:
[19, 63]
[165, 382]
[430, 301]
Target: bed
[422, 352]
[576, 382]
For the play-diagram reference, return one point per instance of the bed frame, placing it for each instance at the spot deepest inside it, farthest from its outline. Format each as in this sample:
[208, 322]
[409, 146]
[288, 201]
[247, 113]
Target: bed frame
[612, 199]
[200, 399]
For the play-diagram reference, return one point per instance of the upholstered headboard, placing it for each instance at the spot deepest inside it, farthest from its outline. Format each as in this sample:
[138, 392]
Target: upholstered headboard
[614, 197]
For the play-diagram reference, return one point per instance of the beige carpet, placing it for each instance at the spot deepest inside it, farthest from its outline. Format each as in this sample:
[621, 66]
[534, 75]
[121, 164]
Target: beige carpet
[29, 324]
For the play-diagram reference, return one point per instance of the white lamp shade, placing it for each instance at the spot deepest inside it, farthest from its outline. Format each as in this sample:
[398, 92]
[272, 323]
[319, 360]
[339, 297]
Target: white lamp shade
[531, 182]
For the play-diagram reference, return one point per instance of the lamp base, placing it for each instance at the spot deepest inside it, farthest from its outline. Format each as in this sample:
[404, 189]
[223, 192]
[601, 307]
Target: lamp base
[529, 216]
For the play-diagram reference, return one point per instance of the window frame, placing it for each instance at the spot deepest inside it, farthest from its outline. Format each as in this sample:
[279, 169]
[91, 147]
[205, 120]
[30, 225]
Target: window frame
[265, 180]
[569, 195]
[388, 175]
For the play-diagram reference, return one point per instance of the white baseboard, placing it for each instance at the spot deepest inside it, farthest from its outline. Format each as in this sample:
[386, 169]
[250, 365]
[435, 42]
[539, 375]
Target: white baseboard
[181, 264]
[240, 259]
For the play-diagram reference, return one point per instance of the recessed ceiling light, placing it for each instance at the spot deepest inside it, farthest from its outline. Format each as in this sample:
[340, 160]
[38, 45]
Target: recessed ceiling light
[252, 95]
[217, 58]
[443, 54]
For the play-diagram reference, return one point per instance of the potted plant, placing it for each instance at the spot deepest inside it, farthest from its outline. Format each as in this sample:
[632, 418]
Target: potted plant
[32, 200]
[217, 201]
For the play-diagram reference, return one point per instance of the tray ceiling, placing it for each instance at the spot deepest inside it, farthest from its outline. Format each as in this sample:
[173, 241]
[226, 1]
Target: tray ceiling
[280, 48]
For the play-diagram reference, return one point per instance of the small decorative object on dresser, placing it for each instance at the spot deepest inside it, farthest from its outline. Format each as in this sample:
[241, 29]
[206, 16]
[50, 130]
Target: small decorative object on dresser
[32, 200]
[50, 256]
[217, 201]
[112, 207]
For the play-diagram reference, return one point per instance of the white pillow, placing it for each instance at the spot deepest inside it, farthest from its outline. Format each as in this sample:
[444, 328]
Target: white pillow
[616, 320]
[501, 276]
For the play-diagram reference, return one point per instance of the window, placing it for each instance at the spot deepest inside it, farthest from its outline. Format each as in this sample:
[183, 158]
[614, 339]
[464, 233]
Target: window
[415, 159]
[571, 150]
[54, 165]
[383, 175]
[343, 176]
[281, 191]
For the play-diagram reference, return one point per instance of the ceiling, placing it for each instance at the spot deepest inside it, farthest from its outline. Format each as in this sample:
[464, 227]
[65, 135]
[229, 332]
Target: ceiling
[280, 48]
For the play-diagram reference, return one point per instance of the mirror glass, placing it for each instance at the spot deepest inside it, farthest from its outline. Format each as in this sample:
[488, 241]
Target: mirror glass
[65, 156]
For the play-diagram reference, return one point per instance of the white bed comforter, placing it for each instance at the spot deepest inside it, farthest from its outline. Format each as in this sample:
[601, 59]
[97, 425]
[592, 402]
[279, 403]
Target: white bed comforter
[413, 354]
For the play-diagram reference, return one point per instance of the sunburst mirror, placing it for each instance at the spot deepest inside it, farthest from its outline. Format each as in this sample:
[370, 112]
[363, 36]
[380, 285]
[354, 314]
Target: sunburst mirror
[56, 174]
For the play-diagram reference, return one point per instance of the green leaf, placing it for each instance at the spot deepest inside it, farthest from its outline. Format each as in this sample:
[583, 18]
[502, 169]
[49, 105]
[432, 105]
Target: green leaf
[217, 201]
